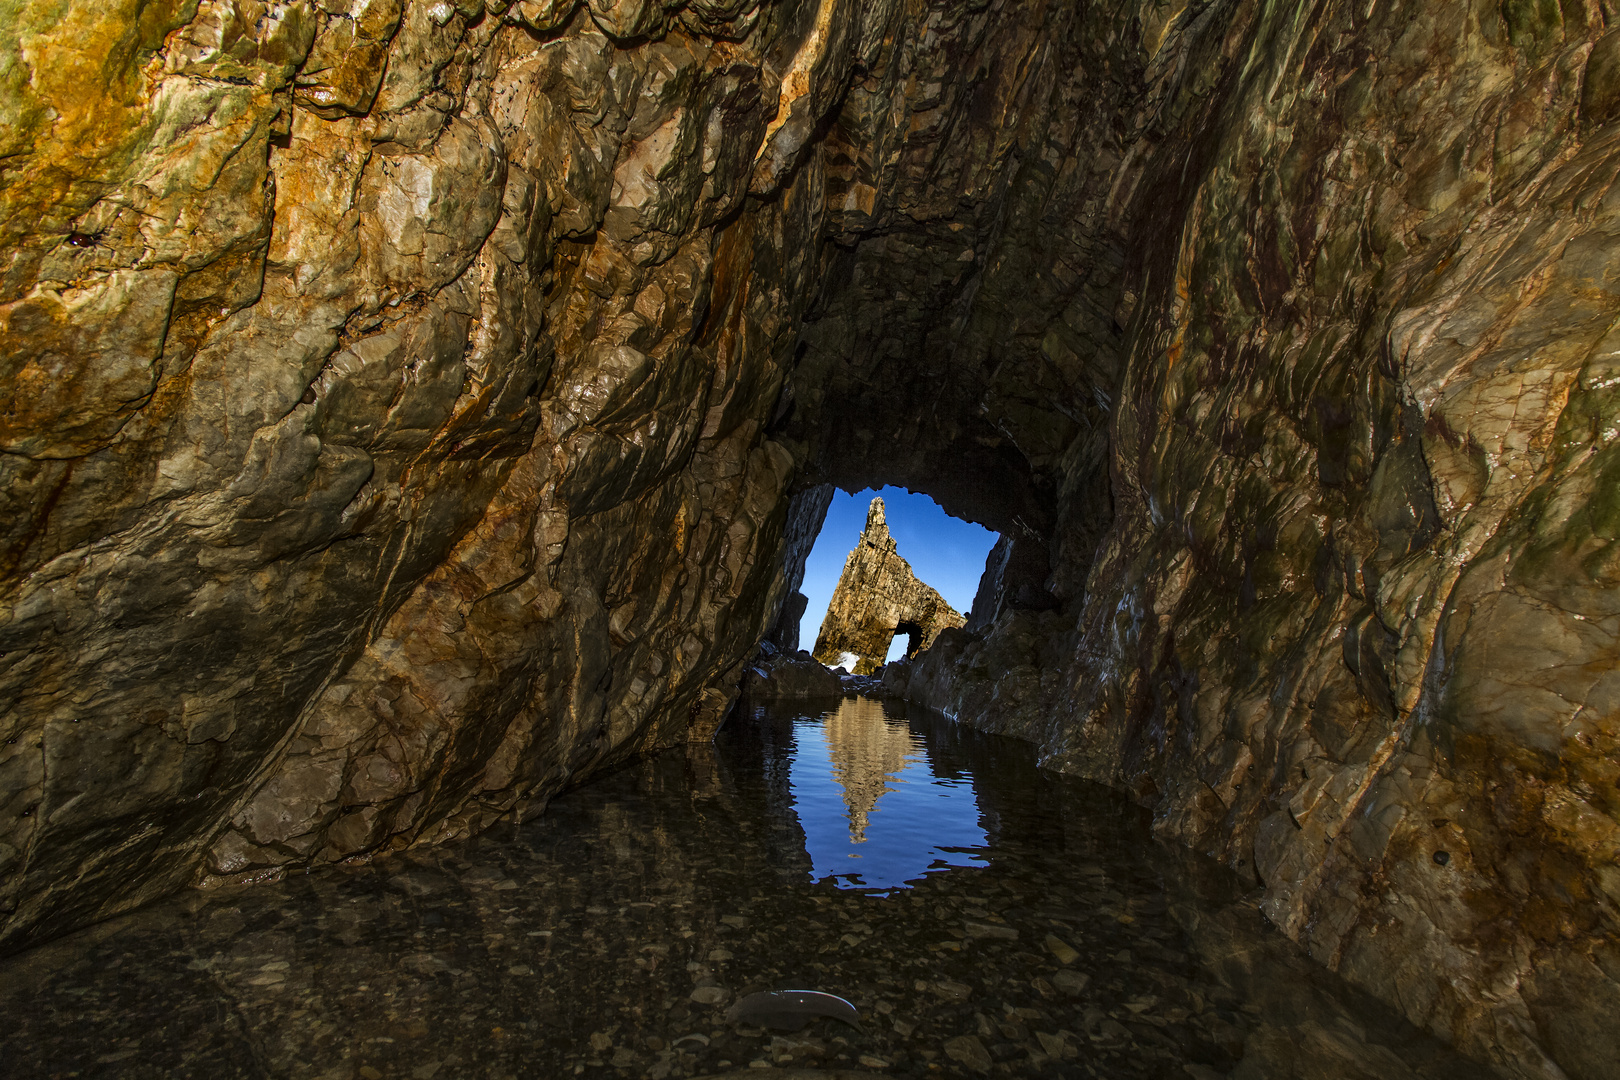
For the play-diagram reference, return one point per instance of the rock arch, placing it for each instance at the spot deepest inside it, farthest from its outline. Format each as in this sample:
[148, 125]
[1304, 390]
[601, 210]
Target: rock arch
[878, 596]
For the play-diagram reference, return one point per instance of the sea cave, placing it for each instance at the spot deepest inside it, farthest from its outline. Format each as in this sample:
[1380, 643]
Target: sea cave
[416, 416]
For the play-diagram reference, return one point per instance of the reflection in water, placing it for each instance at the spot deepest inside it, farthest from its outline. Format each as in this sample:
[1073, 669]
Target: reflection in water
[866, 754]
[607, 938]
[864, 787]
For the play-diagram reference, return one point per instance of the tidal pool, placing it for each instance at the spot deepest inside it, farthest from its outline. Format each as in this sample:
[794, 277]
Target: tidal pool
[865, 787]
[999, 921]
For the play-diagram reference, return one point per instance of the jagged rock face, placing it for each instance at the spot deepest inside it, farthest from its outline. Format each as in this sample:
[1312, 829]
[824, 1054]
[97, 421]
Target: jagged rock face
[383, 419]
[806, 512]
[776, 674]
[877, 597]
[1352, 623]
[405, 404]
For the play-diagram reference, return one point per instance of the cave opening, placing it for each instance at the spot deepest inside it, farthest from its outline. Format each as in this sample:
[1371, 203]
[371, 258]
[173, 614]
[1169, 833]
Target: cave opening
[414, 412]
[889, 570]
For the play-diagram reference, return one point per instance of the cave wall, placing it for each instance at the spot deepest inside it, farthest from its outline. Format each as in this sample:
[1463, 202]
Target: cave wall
[806, 512]
[383, 440]
[1354, 624]
[1350, 625]
[411, 407]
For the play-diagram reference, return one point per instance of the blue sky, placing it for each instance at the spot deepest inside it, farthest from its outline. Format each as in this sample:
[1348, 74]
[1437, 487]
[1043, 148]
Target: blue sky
[943, 551]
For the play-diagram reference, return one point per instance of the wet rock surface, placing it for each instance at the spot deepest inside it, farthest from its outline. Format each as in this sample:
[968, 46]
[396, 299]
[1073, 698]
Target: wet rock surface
[610, 937]
[776, 674]
[382, 422]
[1298, 324]
[877, 598]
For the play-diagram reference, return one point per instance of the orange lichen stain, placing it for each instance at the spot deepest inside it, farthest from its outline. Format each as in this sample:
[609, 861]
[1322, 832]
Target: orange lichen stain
[796, 83]
[681, 531]
[1172, 353]
[733, 265]
[83, 113]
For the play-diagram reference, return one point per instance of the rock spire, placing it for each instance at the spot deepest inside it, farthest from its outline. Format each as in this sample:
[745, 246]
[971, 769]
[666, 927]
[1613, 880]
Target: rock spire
[877, 597]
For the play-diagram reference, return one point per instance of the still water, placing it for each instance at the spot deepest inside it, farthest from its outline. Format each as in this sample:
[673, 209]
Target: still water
[864, 787]
[986, 918]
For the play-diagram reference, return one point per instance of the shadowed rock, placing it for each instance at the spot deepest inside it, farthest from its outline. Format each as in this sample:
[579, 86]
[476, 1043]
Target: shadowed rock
[777, 674]
[411, 410]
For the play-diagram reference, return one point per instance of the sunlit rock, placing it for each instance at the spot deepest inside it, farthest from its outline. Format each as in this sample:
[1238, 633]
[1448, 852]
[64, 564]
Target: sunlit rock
[878, 597]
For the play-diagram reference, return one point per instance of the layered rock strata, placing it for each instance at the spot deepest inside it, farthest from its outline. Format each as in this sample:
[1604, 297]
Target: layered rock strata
[405, 403]
[383, 433]
[877, 598]
[1338, 282]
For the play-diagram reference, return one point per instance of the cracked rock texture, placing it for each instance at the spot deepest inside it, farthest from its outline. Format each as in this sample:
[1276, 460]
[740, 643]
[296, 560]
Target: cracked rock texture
[776, 674]
[878, 597]
[408, 408]
[1336, 284]
[382, 426]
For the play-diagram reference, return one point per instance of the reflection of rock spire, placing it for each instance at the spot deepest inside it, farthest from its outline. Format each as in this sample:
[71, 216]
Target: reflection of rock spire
[866, 753]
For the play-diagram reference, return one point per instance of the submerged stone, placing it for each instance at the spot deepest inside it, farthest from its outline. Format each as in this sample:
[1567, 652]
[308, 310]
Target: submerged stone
[628, 895]
[791, 1010]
